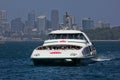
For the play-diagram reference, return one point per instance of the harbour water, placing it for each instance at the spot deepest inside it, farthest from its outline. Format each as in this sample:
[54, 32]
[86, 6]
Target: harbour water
[15, 64]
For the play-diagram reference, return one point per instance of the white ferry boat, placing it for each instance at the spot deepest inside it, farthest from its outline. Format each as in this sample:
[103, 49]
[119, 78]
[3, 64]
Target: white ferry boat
[64, 46]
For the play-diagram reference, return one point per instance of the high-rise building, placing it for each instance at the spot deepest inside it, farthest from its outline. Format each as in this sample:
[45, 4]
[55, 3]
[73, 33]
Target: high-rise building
[48, 25]
[67, 20]
[100, 24]
[41, 23]
[5, 27]
[3, 16]
[54, 19]
[4, 24]
[17, 26]
[31, 19]
[30, 23]
[87, 23]
[107, 25]
[103, 25]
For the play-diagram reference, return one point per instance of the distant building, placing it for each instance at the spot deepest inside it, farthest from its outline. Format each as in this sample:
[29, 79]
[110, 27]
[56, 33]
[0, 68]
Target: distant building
[5, 27]
[48, 25]
[100, 24]
[41, 23]
[31, 19]
[87, 23]
[30, 23]
[3, 16]
[4, 24]
[103, 25]
[67, 20]
[54, 19]
[107, 25]
[27, 29]
[17, 26]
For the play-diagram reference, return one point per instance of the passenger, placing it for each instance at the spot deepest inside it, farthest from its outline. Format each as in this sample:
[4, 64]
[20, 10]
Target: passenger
[77, 48]
[63, 47]
[47, 47]
[67, 47]
[39, 48]
[43, 48]
[55, 48]
[73, 47]
[50, 48]
[70, 47]
[60, 47]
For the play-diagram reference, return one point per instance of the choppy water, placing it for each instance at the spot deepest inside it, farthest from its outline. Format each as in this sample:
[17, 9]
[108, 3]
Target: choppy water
[15, 64]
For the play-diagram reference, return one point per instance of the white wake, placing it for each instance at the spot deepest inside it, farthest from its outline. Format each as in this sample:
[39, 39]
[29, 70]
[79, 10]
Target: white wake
[100, 59]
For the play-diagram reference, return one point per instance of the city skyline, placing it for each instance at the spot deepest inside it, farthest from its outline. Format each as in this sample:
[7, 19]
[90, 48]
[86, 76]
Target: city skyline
[42, 24]
[38, 27]
[104, 10]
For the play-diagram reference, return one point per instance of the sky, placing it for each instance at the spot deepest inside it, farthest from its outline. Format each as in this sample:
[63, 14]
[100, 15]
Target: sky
[98, 10]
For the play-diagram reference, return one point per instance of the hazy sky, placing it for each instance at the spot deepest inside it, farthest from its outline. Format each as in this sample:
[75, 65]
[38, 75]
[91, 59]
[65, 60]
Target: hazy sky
[104, 10]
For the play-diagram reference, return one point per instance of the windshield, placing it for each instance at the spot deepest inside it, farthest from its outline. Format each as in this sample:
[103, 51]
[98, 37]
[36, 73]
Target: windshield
[66, 36]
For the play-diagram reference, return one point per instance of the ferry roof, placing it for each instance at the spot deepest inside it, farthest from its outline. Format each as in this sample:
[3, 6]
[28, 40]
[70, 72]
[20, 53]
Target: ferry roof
[65, 32]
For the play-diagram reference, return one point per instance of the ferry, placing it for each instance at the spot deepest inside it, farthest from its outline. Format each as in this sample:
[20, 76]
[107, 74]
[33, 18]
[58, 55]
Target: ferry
[64, 46]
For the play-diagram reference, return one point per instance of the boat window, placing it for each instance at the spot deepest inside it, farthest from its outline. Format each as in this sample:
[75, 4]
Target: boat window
[58, 47]
[53, 36]
[66, 36]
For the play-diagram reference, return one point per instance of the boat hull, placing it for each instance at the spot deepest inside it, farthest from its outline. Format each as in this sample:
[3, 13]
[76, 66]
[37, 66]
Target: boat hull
[63, 61]
[62, 57]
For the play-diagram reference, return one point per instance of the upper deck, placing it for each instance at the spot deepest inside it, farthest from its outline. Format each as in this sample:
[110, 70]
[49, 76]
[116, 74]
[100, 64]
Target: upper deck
[66, 32]
[67, 37]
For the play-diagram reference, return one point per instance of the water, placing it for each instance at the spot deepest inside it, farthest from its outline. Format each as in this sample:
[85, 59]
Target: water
[15, 64]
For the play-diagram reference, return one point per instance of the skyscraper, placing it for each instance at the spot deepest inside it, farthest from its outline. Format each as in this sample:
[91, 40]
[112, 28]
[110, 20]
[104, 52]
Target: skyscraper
[87, 23]
[67, 20]
[3, 16]
[41, 23]
[100, 24]
[17, 26]
[30, 23]
[31, 19]
[103, 25]
[4, 24]
[54, 19]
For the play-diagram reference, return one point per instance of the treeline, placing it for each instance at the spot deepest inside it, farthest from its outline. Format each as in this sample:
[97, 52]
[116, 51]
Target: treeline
[104, 33]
